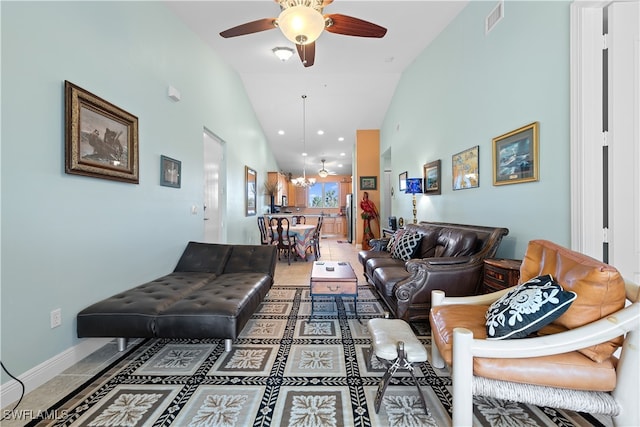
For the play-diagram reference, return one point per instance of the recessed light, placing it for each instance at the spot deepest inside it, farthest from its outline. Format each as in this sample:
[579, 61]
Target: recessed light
[340, 165]
[343, 154]
[320, 132]
[280, 132]
[304, 154]
[341, 138]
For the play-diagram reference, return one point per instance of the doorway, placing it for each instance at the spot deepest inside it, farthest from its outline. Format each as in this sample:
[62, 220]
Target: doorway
[214, 182]
[605, 189]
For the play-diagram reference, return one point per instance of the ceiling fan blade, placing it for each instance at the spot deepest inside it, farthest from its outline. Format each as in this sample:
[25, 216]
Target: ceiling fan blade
[307, 53]
[350, 26]
[250, 28]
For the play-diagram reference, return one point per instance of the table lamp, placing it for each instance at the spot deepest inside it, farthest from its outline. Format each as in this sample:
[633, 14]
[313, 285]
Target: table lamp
[414, 186]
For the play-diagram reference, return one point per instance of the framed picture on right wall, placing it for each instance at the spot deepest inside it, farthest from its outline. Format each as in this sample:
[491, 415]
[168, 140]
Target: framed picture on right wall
[515, 156]
[431, 172]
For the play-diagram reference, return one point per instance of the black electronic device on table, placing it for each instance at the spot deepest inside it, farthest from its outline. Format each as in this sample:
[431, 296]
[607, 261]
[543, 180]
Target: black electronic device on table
[393, 223]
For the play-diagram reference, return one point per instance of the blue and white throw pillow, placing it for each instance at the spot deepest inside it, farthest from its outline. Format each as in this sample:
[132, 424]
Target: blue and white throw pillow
[406, 245]
[527, 308]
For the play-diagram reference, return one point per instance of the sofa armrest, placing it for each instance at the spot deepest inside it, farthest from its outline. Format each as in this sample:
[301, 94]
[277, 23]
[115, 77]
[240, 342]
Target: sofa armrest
[438, 298]
[455, 277]
[379, 245]
[448, 260]
[597, 332]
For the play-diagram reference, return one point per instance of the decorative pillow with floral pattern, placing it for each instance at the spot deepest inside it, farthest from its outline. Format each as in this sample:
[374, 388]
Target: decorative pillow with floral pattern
[527, 308]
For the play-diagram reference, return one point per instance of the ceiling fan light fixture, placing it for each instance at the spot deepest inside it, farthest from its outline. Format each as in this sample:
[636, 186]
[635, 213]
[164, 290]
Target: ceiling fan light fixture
[323, 173]
[301, 24]
[283, 53]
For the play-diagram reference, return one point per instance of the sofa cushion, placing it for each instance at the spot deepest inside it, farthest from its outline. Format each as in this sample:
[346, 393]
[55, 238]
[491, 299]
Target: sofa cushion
[220, 308]
[252, 259]
[406, 246]
[600, 288]
[132, 313]
[428, 244]
[204, 258]
[527, 308]
[375, 263]
[452, 242]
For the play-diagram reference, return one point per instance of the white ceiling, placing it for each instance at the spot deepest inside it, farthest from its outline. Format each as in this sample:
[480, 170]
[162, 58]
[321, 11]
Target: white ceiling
[348, 88]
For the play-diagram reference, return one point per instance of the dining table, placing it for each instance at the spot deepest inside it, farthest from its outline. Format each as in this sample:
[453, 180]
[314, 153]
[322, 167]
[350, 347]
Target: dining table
[304, 236]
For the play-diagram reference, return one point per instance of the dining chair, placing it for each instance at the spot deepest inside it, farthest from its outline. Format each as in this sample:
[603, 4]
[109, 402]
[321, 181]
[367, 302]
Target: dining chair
[299, 219]
[280, 237]
[264, 235]
[315, 240]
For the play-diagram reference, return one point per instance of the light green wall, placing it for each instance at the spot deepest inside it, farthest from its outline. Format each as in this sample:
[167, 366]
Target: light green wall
[467, 88]
[68, 241]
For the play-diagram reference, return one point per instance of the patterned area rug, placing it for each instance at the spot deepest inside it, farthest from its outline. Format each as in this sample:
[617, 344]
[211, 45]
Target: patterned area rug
[282, 371]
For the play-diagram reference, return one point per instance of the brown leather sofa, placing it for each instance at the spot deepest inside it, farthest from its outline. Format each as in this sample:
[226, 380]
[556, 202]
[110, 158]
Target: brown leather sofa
[212, 293]
[449, 256]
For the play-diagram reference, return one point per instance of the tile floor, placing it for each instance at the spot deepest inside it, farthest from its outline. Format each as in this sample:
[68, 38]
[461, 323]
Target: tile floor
[295, 274]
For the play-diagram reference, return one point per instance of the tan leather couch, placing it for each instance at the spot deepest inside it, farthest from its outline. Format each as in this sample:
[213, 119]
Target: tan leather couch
[553, 361]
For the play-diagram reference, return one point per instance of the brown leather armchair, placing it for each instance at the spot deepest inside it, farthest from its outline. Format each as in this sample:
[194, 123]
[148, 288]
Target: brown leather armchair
[570, 363]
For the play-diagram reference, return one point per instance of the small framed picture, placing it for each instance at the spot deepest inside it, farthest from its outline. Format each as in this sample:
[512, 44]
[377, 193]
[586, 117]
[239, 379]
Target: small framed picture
[431, 172]
[251, 178]
[465, 169]
[402, 181]
[515, 156]
[170, 172]
[368, 183]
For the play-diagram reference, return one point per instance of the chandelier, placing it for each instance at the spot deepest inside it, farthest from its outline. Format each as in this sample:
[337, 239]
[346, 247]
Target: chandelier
[323, 173]
[303, 181]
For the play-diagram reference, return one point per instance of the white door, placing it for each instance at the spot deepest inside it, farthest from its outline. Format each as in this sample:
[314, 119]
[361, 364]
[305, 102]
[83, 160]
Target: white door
[214, 189]
[606, 130]
[623, 43]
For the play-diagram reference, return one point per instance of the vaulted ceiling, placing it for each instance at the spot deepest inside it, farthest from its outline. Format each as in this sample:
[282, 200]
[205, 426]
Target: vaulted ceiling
[349, 87]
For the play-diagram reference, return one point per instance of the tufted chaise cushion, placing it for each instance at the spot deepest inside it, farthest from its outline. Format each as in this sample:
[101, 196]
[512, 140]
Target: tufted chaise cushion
[220, 307]
[204, 257]
[131, 314]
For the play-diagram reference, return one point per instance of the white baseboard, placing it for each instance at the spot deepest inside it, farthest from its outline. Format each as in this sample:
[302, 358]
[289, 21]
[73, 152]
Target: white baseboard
[37, 376]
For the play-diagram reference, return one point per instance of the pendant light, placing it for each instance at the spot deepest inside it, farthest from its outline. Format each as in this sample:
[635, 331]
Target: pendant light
[303, 181]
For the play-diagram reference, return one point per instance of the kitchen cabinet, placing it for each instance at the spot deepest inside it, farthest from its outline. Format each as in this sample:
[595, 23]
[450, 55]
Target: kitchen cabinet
[283, 187]
[341, 229]
[301, 197]
[345, 188]
[329, 225]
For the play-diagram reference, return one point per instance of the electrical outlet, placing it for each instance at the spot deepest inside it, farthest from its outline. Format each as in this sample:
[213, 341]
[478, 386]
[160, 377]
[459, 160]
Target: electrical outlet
[56, 318]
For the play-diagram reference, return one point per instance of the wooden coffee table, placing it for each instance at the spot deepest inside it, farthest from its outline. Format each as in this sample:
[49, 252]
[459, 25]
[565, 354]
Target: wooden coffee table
[333, 278]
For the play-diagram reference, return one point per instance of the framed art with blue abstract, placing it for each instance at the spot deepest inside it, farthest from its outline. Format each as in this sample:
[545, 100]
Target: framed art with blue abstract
[431, 172]
[515, 156]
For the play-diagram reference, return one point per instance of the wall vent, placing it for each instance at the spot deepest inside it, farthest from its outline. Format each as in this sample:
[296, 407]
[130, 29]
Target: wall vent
[494, 17]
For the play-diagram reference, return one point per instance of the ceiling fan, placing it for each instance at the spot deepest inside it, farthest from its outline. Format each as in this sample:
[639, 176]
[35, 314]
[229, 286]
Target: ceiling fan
[302, 22]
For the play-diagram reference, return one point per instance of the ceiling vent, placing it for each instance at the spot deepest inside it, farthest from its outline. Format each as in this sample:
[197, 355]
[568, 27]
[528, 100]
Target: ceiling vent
[494, 17]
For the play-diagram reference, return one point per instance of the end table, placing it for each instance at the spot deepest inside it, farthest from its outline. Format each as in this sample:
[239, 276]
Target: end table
[500, 274]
